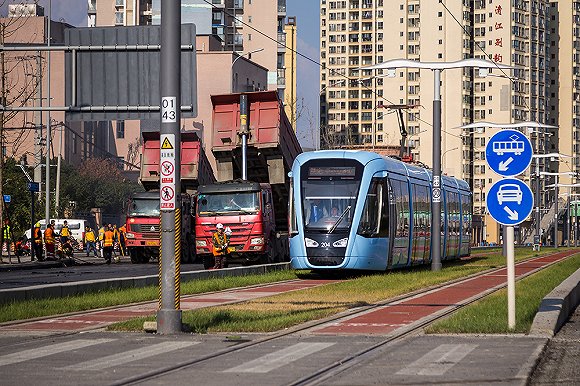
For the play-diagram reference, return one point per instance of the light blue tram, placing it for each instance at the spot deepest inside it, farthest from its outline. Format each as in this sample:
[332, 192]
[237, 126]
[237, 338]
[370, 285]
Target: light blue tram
[362, 211]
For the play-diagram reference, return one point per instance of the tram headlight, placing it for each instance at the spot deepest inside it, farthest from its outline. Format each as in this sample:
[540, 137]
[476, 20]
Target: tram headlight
[340, 243]
[310, 243]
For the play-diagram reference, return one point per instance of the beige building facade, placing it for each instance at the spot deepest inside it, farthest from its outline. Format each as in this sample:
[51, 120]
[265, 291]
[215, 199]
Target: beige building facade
[359, 107]
[240, 54]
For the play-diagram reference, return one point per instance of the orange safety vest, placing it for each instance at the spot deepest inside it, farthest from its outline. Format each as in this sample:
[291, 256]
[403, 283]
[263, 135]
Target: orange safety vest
[220, 243]
[37, 236]
[109, 235]
[49, 236]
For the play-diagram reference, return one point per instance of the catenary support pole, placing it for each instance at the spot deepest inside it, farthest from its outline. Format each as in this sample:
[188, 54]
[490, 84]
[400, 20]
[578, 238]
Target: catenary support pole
[556, 214]
[244, 134]
[32, 250]
[48, 124]
[511, 277]
[436, 189]
[169, 313]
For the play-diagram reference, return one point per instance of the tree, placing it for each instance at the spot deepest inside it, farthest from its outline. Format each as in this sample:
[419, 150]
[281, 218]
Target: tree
[97, 183]
[18, 86]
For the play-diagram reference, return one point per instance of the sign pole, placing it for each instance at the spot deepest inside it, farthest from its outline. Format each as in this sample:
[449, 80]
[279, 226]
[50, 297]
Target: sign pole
[32, 249]
[511, 277]
[169, 313]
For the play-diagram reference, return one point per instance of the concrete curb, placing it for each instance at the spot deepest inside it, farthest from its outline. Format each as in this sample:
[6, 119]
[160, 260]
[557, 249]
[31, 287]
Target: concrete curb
[76, 288]
[557, 306]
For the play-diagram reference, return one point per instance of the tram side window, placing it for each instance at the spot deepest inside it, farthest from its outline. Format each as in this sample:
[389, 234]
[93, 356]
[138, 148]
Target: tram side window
[401, 192]
[375, 216]
[405, 212]
[466, 214]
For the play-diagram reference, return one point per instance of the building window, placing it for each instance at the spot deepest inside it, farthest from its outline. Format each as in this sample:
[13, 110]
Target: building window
[120, 129]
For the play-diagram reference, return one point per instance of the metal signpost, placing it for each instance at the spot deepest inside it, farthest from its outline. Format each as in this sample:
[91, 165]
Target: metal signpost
[509, 201]
[32, 187]
[169, 313]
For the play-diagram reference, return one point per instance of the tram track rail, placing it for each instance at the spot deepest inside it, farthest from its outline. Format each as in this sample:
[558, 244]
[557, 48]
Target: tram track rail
[351, 360]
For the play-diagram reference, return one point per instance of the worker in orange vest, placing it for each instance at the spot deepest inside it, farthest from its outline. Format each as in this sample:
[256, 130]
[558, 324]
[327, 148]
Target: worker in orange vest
[49, 241]
[108, 241]
[220, 241]
[37, 239]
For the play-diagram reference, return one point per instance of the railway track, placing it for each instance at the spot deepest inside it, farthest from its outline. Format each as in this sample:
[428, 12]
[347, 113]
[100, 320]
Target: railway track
[350, 359]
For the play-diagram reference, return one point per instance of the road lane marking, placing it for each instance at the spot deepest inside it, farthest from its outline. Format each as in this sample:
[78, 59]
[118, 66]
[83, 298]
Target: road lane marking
[279, 358]
[57, 348]
[438, 360]
[128, 356]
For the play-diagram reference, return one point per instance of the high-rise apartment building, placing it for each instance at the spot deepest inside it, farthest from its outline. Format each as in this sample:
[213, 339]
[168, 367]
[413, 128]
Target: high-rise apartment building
[563, 27]
[357, 104]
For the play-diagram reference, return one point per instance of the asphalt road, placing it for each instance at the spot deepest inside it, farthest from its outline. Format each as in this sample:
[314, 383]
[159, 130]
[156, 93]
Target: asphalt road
[94, 268]
[561, 359]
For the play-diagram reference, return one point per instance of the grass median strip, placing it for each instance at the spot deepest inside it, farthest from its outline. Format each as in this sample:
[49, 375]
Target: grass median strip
[29, 309]
[490, 315]
[282, 311]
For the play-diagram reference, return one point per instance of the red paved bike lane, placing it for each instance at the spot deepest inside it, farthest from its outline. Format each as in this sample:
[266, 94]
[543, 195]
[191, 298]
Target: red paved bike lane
[387, 319]
[100, 319]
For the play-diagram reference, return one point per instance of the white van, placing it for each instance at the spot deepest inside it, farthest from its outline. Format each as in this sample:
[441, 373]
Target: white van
[76, 227]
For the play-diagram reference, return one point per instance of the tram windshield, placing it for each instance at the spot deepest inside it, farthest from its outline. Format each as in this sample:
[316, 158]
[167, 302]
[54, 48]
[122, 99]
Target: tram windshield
[329, 197]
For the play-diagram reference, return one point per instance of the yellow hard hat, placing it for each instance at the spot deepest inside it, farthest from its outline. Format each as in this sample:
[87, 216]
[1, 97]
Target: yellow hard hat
[37, 225]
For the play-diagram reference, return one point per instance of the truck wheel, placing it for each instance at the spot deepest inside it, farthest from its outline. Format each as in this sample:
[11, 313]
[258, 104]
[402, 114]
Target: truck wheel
[135, 256]
[208, 262]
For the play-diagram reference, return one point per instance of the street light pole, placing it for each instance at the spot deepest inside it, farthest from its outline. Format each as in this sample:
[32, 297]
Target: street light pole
[236, 59]
[436, 191]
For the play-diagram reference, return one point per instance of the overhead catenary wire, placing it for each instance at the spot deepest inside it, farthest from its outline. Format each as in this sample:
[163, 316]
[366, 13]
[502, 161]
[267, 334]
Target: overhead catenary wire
[336, 73]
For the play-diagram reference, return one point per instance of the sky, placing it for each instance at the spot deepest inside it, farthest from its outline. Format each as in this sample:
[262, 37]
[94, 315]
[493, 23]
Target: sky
[307, 14]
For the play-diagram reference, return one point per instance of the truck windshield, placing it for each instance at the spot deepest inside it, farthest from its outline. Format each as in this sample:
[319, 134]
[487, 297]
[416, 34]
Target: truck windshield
[144, 207]
[220, 204]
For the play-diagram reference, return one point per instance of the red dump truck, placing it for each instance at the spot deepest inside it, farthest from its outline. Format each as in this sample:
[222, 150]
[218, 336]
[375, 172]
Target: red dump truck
[142, 237]
[255, 209]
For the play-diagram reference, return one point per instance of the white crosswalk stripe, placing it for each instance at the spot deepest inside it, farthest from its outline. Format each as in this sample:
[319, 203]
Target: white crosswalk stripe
[129, 356]
[438, 360]
[279, 358]
[56, 348]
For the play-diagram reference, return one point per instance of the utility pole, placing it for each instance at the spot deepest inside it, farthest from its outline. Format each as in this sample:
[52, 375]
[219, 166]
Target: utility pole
[48, 123]
[3, 96]
[38, 123]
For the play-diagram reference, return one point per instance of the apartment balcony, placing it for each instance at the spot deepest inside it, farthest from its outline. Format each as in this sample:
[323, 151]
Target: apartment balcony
[218, 3]
[92, 7]
[281, 7]
[281, 41]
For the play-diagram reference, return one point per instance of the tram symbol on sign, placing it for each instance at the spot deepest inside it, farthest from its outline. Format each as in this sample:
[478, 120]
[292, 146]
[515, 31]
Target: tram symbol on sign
[513, 146]
[167, 193]
[508, 153]
[167, 168]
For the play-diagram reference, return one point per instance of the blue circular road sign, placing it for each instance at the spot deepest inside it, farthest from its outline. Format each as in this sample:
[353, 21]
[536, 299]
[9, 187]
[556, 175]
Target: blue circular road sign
[509, 201]
[508, 153]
